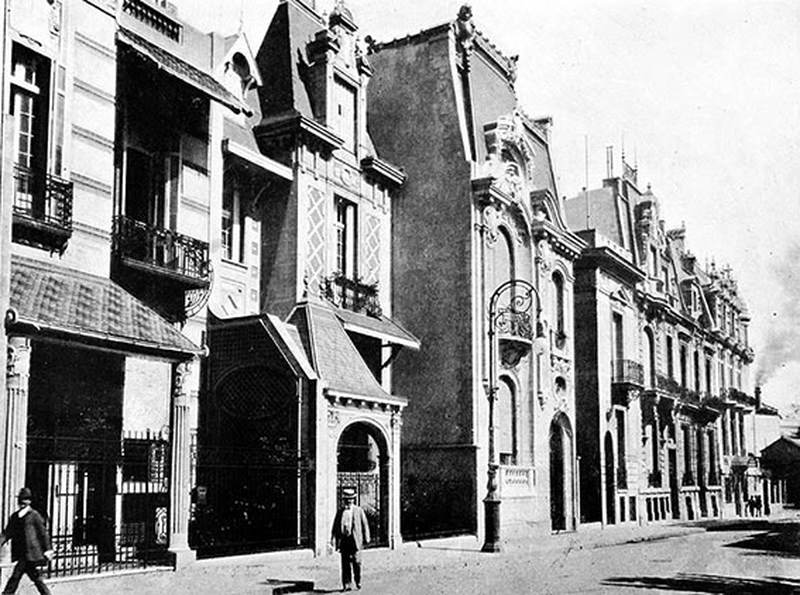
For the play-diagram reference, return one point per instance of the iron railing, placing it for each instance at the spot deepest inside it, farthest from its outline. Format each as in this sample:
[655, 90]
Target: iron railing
[161, 249]
[153, 18]
[625, 371]
[352, 294]
[42, 198]
[106, 500]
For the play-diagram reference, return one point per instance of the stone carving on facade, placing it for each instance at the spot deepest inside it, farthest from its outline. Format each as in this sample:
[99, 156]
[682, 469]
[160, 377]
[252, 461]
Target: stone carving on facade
[18, 362]
[333, 419]
[491, 218]
[510, 155]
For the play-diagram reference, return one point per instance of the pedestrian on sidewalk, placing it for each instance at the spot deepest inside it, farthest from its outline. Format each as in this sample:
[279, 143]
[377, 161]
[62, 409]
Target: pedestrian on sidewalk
[30, 544]
[350, 534]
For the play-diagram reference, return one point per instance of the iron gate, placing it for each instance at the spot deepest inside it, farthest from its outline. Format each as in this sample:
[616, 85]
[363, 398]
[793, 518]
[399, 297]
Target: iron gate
[248, 500]
[106, 501]
[368, 496]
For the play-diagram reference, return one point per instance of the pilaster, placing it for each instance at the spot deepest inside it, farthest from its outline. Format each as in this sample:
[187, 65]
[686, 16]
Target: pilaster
[181, 457]
[15, 435]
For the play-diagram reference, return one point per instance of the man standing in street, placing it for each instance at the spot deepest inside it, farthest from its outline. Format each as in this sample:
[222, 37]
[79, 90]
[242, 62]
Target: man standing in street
[350, 535]
[30, 544]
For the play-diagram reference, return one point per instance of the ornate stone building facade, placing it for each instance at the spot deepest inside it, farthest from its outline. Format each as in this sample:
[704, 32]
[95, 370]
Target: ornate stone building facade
[479, 208]
[662, 361]
[301, 337]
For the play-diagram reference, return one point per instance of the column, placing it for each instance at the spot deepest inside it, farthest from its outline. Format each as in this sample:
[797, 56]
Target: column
[395, 537]
[15, 436]
[179, 483]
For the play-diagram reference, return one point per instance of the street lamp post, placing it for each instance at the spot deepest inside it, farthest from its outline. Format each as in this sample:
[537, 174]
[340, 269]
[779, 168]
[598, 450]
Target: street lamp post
[513, 320]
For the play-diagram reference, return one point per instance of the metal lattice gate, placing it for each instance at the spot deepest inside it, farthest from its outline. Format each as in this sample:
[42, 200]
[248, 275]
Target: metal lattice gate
[368, 496]
[106, 502]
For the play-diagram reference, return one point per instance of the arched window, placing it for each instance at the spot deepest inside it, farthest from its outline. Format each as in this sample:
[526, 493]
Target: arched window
[558, 297]
[506, 423]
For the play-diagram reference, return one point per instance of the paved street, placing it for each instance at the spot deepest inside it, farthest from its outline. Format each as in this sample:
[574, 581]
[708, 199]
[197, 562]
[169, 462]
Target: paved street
[756, 556]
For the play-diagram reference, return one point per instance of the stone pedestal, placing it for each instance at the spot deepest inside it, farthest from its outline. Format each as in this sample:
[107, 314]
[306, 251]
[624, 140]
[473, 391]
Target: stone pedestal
[179, 486]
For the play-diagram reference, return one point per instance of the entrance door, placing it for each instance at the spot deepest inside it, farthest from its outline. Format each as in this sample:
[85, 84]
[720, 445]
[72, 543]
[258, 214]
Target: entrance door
[557, 517]
[673, 483]
[611, 516]
[363, 464]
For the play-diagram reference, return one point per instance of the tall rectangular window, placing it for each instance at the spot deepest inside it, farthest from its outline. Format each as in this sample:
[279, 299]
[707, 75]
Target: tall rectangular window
[684, 364]
[622, 475]
[30, 84]
[653, 262]
[233, 223]
[617, 336]
[345, 114]
[670, 362]
[708, 375]
[346, 237]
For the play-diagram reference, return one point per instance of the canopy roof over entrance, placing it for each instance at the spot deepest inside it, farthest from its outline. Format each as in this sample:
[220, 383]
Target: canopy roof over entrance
[334, 356]
[61, 301]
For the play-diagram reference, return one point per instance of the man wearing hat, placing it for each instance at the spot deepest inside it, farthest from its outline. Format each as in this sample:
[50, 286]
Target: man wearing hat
[30, 544]
[350, 535]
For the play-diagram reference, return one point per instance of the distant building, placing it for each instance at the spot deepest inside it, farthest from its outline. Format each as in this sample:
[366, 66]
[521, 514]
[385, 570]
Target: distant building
[479, 208]
[662, 358]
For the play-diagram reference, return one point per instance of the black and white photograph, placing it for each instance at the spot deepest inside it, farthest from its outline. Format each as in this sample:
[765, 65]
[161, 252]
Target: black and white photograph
[429, 297]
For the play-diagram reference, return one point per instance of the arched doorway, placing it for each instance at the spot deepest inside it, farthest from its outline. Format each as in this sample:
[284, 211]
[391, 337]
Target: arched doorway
[561, 507]
[610, 491]
[362, 463]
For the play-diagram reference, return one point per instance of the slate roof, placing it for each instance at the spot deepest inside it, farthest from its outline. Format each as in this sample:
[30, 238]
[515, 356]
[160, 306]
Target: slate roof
[66, 301]
[333, 355]
[279, 60]
[182, 70]
[383, 327]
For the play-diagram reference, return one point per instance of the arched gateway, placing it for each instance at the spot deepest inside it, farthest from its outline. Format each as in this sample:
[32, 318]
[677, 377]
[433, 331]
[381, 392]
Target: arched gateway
[362, 463]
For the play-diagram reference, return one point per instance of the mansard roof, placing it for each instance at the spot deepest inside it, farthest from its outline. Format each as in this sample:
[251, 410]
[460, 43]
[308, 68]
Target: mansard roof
[282, 56]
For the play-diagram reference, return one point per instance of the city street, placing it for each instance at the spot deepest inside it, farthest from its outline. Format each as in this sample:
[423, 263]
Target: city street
[744, 556]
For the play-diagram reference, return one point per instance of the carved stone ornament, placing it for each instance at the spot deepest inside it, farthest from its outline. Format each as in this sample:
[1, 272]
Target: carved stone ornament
[18, 362]
[179, 378]
[507, 144]
[333, 418]
[491, 218]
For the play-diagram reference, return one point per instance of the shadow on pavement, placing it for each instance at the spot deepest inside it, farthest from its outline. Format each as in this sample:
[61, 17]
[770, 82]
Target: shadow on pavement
[775, 538]
[707, 583]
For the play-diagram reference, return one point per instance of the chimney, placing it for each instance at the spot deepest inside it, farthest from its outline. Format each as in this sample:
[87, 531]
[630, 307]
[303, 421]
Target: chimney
[610, 161]
[758, 398]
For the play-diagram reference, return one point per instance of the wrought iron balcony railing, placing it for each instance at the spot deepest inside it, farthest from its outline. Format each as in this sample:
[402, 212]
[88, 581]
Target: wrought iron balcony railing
[352, 294]
[153, 18]
[625, 371]
[43, 205]
[161, 250]
[668, 384]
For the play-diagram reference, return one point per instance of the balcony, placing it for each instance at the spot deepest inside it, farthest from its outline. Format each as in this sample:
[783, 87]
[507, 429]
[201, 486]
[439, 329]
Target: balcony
[155, 251]
[668, 385]
[153, 18]
[42, 209]
[624, 371]
[352, 294]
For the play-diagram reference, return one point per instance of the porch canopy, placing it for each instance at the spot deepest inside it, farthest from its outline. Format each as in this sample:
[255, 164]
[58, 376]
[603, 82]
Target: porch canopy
[66, 303]
[182, 70]
[334, 357]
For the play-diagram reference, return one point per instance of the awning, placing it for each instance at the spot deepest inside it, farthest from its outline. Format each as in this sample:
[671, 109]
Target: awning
[257, 159]
[382, 328]
[182, 70]
[59, 301]
[334, 357]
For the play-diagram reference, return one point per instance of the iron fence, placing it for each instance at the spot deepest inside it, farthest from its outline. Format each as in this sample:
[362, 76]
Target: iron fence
[106, 500]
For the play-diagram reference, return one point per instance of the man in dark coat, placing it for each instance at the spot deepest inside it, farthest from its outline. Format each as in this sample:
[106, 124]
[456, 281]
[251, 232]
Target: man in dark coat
[30, 544]
[350, 535]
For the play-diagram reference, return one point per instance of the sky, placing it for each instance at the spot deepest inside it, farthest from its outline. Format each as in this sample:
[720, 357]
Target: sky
[704, 95]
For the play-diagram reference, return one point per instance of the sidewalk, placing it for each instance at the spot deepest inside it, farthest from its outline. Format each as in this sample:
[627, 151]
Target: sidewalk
[268, 573]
